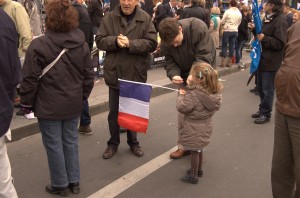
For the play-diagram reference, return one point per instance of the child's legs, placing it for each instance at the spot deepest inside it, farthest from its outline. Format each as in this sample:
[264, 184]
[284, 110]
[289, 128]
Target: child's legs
[194, 163]
[200, 161]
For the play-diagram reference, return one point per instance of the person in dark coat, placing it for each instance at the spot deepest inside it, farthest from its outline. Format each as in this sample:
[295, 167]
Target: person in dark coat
[185, 42]
[95, 9]
[273, 39]
[127, 35]
[85, 25]
[57, 97]
[163, 11]
[9, 79]
[288, 13]
[242, 35]
[196, 11]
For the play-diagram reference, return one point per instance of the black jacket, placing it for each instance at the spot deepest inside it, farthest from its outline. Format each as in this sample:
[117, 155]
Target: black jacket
[163, 11]
[95, 9]
[243, 29]
[9, 69]
[85, 24]
[197, 12]
[58, 95]
[273, 43]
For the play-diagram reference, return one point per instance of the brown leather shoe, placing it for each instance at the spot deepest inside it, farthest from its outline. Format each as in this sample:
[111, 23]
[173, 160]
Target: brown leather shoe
[179, 154]
[109, 152]
[137, 151]
[85, 129]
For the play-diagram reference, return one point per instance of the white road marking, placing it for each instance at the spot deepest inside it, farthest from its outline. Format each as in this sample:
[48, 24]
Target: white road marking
[126, 181]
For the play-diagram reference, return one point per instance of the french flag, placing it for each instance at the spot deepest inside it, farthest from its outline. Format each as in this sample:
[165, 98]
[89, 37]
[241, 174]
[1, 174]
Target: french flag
[134, 101]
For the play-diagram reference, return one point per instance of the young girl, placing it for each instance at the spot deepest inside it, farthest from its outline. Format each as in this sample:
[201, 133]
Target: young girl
[196, 107]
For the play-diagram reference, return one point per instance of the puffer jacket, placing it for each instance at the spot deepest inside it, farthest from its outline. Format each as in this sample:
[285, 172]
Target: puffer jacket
[196, 109]
[287, 79]
[231, 20]
[59, 94]
[126, 63]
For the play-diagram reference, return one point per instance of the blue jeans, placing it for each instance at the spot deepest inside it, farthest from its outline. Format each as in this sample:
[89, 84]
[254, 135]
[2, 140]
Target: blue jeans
[228, 38]
[60, 139]
[238, 50]
[265, 85]
[85, 118]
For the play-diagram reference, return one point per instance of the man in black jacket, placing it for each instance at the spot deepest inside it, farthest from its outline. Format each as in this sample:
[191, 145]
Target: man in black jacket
[273, 39]
[9, 78]
[196, 11]
[85, 25]
[95, 9]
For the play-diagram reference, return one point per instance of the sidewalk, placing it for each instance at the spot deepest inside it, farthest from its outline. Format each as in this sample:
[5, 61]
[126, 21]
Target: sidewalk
[98, 100]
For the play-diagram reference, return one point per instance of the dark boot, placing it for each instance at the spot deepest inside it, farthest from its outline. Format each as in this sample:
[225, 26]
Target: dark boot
[74, 187]
[61, 191]
[190, 179]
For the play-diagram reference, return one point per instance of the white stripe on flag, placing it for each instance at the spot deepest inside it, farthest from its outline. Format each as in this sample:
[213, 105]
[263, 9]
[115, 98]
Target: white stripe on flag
[134, 107]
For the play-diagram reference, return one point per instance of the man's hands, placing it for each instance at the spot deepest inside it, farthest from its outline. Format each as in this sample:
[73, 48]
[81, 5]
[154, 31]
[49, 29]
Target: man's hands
[123, 41]
[177, 80]
[260, 37]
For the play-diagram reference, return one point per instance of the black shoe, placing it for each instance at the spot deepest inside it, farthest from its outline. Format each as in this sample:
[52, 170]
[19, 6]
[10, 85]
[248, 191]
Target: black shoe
[262, 119]
[20, 113]
[62, 191]
[109, 152]
[256, 115]
[200, 172]
[74, 187]
[254, 90]
[137, 151]
[190, 179]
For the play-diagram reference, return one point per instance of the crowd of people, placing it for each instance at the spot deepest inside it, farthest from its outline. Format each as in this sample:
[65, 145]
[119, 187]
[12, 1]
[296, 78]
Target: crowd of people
[52, 73]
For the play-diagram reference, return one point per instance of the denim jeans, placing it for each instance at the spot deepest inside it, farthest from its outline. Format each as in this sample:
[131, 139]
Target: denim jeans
[60, 139]
[265, 85]
[114, 127]
[85, 118]
[228, 38]
[238, 50]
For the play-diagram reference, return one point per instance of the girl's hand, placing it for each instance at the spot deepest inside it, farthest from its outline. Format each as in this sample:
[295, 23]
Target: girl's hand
[182, 91]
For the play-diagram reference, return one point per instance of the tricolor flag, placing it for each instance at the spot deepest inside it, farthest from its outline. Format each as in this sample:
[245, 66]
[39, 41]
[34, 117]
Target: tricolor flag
[134, 101]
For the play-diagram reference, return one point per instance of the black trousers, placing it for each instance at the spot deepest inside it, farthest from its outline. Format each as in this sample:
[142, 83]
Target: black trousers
[114, 127]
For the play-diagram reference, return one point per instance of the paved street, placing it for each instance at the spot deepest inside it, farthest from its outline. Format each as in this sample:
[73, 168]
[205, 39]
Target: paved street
[236, 162]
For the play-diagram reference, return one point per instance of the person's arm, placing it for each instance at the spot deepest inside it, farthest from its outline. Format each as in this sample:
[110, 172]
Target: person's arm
[171, 66]
[88, 74]
[202, 42]
[23, 27]
[185, 103]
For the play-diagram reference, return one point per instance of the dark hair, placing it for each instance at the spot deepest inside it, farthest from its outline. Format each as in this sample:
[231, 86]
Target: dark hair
[233, 3]
[168, 29]
[61, 16]
[287, 5]
[194, 2]
[186, 2]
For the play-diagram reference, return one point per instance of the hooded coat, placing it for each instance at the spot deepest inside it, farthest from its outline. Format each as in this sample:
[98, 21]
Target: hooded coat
[196, 109]
[59, 94]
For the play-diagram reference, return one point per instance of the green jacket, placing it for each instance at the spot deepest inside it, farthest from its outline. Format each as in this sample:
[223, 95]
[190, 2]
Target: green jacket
[21, 19]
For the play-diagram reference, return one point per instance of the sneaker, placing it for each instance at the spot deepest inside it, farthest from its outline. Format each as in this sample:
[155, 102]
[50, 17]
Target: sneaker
[74, 187]
[200, 172]
[262, 119]
[109, 152]
[62, 191]
[179, 154]
[190, 179]
[137, 151]
[86, 130]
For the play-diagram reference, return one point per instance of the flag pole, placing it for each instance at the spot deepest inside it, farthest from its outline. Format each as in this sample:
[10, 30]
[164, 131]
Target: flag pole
[148, 84]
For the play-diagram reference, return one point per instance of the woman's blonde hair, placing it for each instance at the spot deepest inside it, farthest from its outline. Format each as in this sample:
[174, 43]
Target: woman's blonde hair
[215, 10]
[204, 75]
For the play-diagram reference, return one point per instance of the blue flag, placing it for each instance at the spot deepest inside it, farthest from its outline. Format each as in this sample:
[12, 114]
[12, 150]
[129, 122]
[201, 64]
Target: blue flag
[256, 51]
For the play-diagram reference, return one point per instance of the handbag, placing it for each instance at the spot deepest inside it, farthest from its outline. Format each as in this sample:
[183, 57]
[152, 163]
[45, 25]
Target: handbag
[48, 67]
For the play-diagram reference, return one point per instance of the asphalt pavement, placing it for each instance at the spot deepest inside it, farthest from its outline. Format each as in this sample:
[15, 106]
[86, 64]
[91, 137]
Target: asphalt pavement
[98, 100]
[237, 162]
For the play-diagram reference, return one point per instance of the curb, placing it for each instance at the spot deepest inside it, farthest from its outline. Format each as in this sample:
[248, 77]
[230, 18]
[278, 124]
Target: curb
[31, 129]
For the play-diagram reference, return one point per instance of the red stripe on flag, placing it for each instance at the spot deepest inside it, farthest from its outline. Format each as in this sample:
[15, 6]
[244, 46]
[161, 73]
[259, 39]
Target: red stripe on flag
[133, 123]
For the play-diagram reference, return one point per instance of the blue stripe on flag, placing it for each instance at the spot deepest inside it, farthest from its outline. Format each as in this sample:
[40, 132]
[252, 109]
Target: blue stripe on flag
[138, 91]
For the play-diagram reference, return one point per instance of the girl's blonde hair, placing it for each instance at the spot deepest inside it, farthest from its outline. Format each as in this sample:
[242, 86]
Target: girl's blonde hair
[204, 75]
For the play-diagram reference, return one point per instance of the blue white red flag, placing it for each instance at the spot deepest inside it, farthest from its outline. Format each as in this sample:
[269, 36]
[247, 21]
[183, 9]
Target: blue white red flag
[134, 102]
